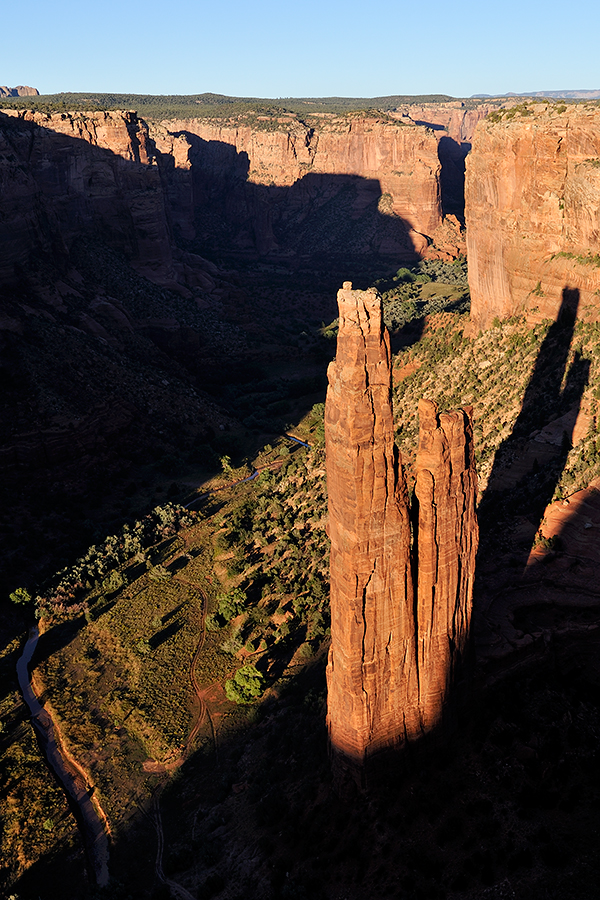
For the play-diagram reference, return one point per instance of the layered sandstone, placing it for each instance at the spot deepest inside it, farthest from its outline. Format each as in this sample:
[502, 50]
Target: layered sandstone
[532, 207]
[66, 175]
[371, 674]
[399, 616]
[97, 175]
[269, 179]
[446, 489]
[454, 118]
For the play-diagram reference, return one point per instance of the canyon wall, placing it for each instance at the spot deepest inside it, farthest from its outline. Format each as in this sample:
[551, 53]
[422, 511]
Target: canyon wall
[345, 185]
[65, 175]
[348, 186]
[532, 208]
[399, 617]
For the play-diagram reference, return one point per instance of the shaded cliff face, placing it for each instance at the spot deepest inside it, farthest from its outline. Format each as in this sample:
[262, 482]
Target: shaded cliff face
[399, 618]
[348, 185]
[66, 175]
[532, 207]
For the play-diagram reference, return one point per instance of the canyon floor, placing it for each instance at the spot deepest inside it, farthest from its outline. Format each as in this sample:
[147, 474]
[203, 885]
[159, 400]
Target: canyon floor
[506, 806]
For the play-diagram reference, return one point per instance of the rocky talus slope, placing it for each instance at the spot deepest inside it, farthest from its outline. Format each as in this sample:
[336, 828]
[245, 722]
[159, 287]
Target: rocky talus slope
[391, 660]
[532, 207]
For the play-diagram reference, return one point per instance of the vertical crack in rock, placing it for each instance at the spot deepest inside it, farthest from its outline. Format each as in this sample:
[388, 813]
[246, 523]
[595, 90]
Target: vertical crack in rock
[399, 625]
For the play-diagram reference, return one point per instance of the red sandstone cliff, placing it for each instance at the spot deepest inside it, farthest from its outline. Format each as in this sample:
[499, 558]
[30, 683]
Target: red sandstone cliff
[67, 175]
[453, 117]
[276, 175]
[532, 208]
[392, 661]
[21, 90]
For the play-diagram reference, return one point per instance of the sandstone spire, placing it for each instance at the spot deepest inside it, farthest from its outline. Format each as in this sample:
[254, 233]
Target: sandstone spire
[445, 553]
[371, 673]
[399, 616]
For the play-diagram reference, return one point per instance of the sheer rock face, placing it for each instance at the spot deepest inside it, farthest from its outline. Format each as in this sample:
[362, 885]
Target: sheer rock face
[532, 207]
[446, 489]
[395, 636]
[371, 672]
[68, 174]
[272, 186]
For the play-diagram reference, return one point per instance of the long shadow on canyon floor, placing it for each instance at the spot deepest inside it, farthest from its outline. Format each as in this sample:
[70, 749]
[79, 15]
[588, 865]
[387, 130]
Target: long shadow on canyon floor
[527, 468]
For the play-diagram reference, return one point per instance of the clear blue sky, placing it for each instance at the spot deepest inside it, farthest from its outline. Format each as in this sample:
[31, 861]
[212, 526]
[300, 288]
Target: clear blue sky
[313, 48]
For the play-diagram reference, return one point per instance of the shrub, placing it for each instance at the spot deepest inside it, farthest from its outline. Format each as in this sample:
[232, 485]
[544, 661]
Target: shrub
[20, 596]
[246, 685]
[231, 604]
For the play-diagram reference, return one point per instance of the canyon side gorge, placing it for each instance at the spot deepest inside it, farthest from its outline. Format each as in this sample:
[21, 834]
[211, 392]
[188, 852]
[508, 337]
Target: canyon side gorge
[252, 596]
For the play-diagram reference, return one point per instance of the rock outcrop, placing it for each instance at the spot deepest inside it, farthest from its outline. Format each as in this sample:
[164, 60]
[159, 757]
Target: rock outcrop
[446, 489]
[399, 616]
[64, 176]
[532, 207]
[21, 90]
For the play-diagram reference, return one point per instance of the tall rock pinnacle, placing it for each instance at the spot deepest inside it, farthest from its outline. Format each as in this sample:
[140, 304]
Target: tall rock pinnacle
[399, 616]
[446, 542]
[371, 675]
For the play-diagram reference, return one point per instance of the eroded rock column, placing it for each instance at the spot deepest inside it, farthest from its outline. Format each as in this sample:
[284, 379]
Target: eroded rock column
[446, 547]
[400, 607]
[371, 677]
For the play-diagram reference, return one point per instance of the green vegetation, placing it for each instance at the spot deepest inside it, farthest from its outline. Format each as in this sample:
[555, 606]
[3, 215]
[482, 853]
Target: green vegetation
[212, 105]
[235, 599]
[430, 287]
[584, 259]
[246, 685]
[21, 597]
[492, 372]
[524, 109]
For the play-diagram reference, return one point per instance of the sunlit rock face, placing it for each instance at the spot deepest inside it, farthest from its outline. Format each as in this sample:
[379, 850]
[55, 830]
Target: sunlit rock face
[348, 185]
[446, 489]
[371, 675]
[399, 613]
[532, 208]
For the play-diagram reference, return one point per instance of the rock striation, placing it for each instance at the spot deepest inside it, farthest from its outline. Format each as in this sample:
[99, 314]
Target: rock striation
[532, 208]
[446, 547]
[345, 184]
[399, 614]
[371, 674]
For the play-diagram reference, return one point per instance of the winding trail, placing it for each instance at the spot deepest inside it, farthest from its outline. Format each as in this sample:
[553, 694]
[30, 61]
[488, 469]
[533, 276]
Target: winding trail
[176, 889]
[254, 474]
[91, 820]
